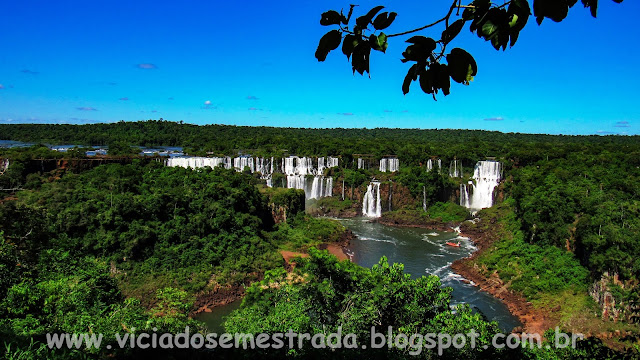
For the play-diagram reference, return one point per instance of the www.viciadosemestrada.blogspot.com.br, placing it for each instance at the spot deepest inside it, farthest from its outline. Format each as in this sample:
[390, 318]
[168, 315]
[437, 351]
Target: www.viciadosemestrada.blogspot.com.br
[414, 343]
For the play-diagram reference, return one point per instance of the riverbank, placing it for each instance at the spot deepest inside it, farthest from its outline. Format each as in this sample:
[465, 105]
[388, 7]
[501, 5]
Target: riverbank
[220, 296]
[533, 320]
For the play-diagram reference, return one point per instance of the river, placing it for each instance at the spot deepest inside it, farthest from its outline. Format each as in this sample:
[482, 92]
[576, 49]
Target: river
[422, 251]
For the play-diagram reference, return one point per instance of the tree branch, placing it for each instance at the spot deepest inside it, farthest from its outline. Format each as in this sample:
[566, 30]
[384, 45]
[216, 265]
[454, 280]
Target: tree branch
[446, 18]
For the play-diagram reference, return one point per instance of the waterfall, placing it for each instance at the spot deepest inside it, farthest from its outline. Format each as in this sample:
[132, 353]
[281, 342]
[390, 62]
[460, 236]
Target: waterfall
[389, 164]
[265, 167]
[316, 188]
[298, 168]
[305, 166]
[432, 163]
[383, 165]
[320, 166]
[455, 169]
[361, 164]
[332, 162]
[320, 187]
[328, 188]
[371, 206]
[196, 162]
[288, 167]
[296, 182]
[295, 168]
[465, 200]
[424, 198]
[486, 176]
[325, 163]
[4, 166]
[244, 161]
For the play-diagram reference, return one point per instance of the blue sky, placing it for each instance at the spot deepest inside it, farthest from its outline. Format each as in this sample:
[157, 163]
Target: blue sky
[252, 63]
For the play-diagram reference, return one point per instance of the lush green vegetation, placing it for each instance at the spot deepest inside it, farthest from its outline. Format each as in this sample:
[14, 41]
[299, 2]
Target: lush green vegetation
[412, 146]
[303, 232]
[570, 216]
[130, 246]
[447, 212]
[327, 296]
[534, 270]
[436, 214]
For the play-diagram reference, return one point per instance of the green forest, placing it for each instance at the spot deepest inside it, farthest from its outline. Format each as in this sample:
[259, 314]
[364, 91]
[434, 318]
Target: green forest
[133, 244]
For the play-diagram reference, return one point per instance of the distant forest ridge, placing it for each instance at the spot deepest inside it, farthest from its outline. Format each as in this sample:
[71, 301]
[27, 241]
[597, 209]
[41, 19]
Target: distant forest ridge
[229, 139]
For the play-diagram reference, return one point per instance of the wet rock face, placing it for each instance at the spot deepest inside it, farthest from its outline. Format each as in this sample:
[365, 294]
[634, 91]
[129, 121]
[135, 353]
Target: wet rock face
[399, 195]
[218, 297]
[600, 292]
[612, 308]
[279, 213]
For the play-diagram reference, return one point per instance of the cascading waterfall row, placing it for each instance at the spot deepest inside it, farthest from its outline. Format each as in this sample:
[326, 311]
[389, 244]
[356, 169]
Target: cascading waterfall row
[389, 164]
[386, 164]
[198, 162]
[371, 203]
[298, 168]
[363, 164]
[295, 168]
[478, 194]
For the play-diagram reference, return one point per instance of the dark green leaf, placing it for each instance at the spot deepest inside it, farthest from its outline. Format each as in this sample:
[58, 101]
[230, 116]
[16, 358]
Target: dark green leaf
[519, 12]
[330, 41]
[365, 20]
[556, 10]
[489, 30]
[415, 53]
[360, 57]
[412, 75]
[462, 66]
[452, 31]
[592, 5]
[427, 81]
[420, 50]
[331, 17]
[379, 42]
[349, 43]
[428, 43]
[384, 20]
[374, 11]
[442, 78]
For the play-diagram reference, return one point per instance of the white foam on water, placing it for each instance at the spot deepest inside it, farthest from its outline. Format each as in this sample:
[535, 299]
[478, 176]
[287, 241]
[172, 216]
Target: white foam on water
[451, 276]
[378, 240]
[438, 270]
